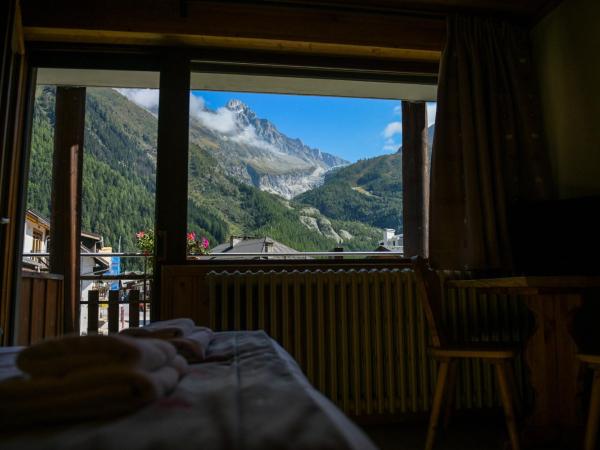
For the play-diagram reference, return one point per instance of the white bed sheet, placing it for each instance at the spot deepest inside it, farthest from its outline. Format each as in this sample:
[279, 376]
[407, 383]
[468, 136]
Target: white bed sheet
[250, 394]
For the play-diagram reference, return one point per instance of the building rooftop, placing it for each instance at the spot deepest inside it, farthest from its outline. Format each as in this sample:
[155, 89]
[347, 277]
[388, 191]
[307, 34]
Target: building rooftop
[248, 244]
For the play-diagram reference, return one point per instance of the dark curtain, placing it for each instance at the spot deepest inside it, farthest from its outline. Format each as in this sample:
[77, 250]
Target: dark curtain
[488, 153]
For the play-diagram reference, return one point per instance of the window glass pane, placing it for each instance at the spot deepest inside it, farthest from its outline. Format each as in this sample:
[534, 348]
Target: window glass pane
[277, 173]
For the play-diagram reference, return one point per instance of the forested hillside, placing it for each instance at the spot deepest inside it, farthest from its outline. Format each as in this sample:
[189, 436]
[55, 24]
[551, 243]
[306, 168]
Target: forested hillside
[119, 184]
[368, 191]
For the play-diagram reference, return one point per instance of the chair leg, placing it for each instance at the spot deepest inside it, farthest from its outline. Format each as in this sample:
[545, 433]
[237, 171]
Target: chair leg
[591, 429]
[512, 379]
[451, 392]
[508, 404]
[438, 399]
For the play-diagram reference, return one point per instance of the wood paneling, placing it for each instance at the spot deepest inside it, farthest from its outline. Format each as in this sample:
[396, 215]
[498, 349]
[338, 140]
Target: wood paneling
[40, 308]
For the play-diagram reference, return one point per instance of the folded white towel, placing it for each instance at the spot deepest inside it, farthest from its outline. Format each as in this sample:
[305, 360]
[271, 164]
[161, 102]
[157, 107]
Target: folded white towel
[164, 329]
[97, 393]
[59, 357]
[193, 347]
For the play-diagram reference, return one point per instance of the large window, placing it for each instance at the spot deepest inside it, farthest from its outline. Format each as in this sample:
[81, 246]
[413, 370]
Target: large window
[282, 173]
[285, 173]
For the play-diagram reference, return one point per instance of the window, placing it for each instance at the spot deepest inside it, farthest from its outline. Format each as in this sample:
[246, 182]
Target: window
[118, 182]
[273, 171]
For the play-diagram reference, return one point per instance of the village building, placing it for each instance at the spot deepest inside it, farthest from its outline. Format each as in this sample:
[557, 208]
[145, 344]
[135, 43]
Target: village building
[392, 241]
[253, 245]
[35, 250]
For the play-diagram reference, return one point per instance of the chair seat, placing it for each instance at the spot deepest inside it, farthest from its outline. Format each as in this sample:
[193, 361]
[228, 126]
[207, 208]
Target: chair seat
[593, 360]
[485, 351]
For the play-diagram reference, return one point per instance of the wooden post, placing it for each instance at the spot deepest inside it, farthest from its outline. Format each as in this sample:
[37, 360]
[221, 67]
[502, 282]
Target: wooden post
[134, 308]
[93, 298]
[113, 311]
[171, 170]
[415, 178]
[65, 219]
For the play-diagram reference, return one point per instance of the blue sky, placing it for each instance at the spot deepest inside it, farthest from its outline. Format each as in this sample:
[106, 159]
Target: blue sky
[352, 128]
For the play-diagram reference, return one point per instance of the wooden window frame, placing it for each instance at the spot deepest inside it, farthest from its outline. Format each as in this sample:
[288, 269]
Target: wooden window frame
[175, 66]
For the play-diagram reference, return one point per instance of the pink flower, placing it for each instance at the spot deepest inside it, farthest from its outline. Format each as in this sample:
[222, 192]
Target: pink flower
[140, 234]
[191, 236]
[205, 242]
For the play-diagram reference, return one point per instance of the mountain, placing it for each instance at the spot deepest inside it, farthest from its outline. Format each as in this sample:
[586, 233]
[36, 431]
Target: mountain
[368, 191]
[253, 150]
[119, 180]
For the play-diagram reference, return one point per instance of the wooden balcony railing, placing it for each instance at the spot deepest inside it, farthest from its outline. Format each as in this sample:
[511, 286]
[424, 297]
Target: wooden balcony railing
[104, 307]
[40, 308]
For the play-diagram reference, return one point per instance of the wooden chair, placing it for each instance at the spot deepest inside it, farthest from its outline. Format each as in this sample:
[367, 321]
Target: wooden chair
[430, 291]
[591, 428]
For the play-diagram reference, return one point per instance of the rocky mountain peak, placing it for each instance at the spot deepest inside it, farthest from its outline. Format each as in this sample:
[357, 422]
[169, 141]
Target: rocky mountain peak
[238, 106]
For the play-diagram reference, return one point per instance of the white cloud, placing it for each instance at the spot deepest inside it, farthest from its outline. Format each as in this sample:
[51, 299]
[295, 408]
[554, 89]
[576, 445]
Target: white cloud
[391, 145]
[196, 105]
[392, 129]
[431, 111]
[223, 120]
[146, 98]
[226, 122]
[398, 109]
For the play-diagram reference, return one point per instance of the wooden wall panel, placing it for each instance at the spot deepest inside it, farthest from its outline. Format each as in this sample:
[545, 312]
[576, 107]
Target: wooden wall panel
[41, 308]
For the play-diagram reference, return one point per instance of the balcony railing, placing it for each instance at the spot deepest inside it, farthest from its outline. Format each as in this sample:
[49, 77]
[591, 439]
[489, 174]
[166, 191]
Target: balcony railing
[110, 302]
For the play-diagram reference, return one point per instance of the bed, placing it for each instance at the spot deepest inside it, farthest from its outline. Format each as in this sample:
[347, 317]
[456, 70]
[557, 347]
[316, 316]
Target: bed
[248, 394]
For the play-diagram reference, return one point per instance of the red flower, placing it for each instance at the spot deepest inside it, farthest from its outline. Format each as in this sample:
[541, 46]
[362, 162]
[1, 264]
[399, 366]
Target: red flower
[205, 242]
[191, 236]
[140, 234]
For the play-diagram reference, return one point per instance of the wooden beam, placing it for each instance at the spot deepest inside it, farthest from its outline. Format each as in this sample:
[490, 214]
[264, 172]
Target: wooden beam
[415, 178]
[65, 219]
[39, 34]
[171, 168]
[245, 25]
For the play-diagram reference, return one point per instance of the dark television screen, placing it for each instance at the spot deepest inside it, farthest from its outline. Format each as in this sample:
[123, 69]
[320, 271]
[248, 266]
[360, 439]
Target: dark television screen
[560, 237]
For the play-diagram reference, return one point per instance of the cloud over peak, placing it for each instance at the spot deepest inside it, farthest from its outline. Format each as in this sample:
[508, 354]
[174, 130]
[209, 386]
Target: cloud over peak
[223, 120]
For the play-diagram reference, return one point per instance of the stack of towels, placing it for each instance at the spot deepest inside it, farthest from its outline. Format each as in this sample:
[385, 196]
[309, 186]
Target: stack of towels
[88, 377]
[78, 378]
[190, 340]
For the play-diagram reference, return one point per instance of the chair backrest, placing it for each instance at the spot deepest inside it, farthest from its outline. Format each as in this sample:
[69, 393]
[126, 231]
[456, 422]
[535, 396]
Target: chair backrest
[430, 293]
